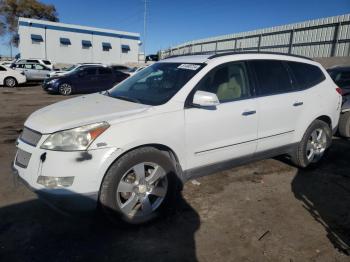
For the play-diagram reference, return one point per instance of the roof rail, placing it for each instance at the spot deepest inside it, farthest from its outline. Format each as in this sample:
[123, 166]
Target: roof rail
[257, 52]
[237, 53]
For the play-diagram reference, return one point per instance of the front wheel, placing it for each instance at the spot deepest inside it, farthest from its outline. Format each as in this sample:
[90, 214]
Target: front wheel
[10, 82]
[313, 145]
[65, 89]
[140, 186]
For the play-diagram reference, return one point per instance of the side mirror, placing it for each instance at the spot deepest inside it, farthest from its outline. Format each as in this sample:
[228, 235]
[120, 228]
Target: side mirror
[205, 99]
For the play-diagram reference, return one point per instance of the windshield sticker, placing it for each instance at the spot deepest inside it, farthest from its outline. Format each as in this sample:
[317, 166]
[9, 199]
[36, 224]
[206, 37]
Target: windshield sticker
[189, 66]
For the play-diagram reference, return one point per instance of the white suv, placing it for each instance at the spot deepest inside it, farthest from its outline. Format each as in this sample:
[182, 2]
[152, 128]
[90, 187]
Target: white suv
[183, 117]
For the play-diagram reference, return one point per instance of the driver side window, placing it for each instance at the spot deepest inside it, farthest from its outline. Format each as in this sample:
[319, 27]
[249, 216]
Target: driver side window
[228, 81]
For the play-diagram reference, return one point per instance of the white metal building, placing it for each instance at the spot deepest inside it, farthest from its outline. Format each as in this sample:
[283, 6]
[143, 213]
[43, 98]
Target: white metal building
[324, 37]
[68, 44]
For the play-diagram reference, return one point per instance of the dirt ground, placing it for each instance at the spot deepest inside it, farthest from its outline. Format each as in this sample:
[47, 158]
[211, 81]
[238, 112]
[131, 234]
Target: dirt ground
[264, 211]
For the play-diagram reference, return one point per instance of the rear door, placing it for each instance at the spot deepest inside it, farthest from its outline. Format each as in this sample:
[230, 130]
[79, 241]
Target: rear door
[105, 79]
[86, 80]
[41, 72]
[278, 104]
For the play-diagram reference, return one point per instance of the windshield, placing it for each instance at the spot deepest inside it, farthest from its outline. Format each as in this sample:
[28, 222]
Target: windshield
[156, 84]
[70, 68]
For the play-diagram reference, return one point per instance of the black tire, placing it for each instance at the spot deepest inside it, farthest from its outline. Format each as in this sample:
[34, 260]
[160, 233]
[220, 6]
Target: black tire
[10, 82]
[108, 192]
[344, 125]
[65, 89]
[299, 156]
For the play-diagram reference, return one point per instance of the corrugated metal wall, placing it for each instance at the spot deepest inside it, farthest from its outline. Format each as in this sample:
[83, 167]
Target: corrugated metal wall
[323, 37]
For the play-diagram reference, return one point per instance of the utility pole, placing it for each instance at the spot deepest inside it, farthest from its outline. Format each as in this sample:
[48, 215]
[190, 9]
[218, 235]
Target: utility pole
[144, 28]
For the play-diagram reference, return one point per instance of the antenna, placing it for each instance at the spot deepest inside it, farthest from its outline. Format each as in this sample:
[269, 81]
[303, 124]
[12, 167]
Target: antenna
[144, 28]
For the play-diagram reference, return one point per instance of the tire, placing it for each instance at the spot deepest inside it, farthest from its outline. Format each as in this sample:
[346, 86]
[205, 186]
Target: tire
[308, 151]
[65, 89]
[122, 193]
[344, 125]
[10, 82]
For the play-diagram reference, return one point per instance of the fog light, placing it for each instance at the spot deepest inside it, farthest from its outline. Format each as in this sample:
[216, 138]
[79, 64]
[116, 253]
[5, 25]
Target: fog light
[52, 182]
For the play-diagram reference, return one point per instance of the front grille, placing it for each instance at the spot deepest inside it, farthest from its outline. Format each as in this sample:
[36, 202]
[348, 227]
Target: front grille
[22, 158]
[30, 136]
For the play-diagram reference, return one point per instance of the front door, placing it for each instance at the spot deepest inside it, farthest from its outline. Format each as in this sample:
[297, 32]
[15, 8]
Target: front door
[228, 131]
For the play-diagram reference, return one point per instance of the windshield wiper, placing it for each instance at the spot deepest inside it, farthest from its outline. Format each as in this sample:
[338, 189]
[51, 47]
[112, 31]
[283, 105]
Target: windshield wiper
[127, 99]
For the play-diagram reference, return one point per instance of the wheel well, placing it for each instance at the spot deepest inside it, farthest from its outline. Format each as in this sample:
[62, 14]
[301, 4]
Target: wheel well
[326, 119]
[160, 147]
[7, 77]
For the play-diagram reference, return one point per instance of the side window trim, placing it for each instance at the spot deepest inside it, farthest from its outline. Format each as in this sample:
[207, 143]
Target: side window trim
[188, 101]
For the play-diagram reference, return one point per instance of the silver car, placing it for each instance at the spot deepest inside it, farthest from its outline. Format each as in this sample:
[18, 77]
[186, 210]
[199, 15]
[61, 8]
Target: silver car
[33, 71]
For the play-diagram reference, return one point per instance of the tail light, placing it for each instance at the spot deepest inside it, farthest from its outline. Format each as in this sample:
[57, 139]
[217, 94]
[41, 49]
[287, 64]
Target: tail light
[339, 90]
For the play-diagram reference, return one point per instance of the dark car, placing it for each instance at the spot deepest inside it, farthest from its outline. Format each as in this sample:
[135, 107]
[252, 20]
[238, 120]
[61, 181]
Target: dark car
[87, 79]
[341, 76]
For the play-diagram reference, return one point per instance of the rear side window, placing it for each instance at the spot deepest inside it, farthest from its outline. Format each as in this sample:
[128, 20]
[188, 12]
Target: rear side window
[104, 71]
[272, 76]
[46, 62]
[306, 75]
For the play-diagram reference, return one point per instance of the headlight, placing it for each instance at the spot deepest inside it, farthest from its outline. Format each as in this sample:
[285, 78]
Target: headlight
[52, 81]
[75, 139]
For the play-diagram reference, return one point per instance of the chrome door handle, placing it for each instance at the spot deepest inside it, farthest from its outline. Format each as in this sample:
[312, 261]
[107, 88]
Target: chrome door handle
[248, 113]
[298, 103]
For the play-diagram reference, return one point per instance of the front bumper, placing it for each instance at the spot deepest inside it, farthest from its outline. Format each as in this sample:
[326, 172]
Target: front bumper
[49, 87]
[87, 167]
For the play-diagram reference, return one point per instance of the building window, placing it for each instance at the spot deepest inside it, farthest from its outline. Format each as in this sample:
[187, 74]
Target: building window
[125, 48]
[106, 46]
[65, 41]
[86, 44]
[36, 39]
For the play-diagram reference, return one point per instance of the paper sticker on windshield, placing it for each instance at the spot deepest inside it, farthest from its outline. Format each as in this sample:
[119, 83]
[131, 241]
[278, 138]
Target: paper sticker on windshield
[189, 66]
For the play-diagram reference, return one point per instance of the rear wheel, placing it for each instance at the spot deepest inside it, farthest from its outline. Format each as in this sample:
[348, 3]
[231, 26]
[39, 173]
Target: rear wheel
[65, 89]
[313, 145]
[344, 125]
[10, 82]
[139, 187]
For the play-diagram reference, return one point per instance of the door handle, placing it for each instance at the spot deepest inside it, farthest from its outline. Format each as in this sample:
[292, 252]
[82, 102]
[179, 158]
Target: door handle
[248, 113]
[298, 103]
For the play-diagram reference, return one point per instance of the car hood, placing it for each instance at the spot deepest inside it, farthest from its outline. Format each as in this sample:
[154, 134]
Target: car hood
[80, 111]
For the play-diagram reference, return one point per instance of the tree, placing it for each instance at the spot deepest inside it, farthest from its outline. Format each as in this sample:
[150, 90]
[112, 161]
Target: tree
[10, 10]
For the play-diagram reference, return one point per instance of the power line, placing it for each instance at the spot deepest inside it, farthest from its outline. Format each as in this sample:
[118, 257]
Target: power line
[144, 27]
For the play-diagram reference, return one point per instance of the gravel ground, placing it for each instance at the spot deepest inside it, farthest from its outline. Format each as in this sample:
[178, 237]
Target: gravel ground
[264, 211]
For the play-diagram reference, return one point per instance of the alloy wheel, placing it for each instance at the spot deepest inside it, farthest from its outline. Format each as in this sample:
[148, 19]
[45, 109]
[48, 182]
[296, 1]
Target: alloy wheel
[65, 89]
[10, 82]
[142, 189]
[316, 145]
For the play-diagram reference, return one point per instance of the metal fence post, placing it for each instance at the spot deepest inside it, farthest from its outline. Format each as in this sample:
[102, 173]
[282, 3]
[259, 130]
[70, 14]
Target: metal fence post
[291, 39]
[259, 42]
[335, 39]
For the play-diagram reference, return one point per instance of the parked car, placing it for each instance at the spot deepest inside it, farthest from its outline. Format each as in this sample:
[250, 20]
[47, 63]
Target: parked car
[341, 76]
[6, 63]
[10, 77]
[70, 69]
[33, 71]
[129, 147]
[85, 79]
[344, 121]
[45, 62]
